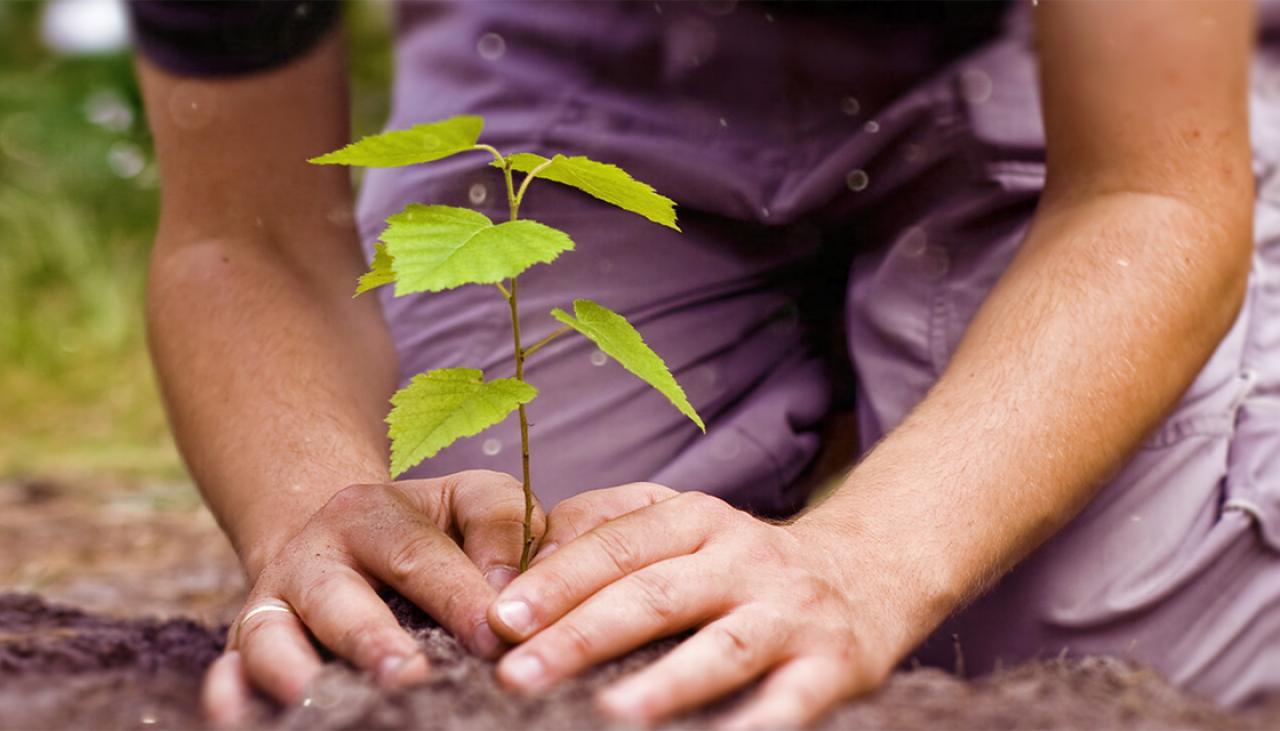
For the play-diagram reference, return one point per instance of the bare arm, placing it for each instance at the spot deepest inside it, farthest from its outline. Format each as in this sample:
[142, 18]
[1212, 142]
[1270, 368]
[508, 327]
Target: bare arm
[251, 318]
[276, 382]
[1132, 271]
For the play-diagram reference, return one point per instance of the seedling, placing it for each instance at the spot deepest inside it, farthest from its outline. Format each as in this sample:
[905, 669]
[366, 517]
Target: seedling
[431, 248]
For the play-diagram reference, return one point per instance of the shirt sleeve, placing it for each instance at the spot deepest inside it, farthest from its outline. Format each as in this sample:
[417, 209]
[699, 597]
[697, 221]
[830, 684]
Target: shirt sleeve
[228, 37]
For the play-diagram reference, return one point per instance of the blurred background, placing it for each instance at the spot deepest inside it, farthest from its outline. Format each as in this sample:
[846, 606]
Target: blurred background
[86, 462]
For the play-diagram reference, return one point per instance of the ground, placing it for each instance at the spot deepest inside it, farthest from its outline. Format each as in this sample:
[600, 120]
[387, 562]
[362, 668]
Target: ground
[114, 597]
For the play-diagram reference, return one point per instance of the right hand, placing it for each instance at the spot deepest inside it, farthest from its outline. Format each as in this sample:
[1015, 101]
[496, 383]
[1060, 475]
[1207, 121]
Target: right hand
[447, 544]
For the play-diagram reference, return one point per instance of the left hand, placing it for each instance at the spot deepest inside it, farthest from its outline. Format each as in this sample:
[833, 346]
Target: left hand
[635, 563]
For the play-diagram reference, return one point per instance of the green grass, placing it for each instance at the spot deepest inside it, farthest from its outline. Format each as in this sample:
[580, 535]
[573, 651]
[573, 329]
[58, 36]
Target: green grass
[78, 206]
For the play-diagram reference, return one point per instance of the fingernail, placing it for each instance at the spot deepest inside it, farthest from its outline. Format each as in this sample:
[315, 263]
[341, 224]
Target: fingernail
[484, 641]
[516, 615]
[388, 668]
[546, 550]
[499, 576]
[526, 671]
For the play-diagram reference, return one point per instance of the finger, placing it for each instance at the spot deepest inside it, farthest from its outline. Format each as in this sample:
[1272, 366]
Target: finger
[488, 510]
[657, 601]
[225, 695]
[582, 513]
[796, 694]
[345, 615]
[277, 655]
[723, 656]
[563, 580]
[416, 559]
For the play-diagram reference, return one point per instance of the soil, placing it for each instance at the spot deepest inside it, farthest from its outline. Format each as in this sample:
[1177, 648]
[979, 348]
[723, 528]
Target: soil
[161, 584]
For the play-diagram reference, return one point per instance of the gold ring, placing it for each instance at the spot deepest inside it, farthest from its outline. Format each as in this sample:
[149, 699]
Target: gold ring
[269, 606]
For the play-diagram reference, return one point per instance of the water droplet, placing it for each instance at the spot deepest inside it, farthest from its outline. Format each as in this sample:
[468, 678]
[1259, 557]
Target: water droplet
[191, 105]
[340, 215]
[727, 447]
[764, 211]
[914, 242]
[914, 153]
[598, 358]
[1135, 518]
[107, 109]
[491, 46]
[724, 122]
[850, 106]
[975, 86]
[719, 7]
[857, 180]
[768, 17]
[657, 8]
[125, 159]
[148, 719]
[478, 194]
[709, 375]
[871, 127]
[491, 447]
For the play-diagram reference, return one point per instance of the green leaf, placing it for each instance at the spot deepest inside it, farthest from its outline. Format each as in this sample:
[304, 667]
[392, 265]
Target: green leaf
[434, 248]
[616, 337]
[420, 143]
[440, 407]
[609, 183]
[380, 271]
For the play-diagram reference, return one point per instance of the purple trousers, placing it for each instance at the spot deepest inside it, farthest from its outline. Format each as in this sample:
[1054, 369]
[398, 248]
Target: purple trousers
[851, 185]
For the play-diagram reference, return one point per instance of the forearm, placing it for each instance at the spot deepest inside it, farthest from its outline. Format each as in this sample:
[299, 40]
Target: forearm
[1110, 309]
[275, 379]
[275, 388]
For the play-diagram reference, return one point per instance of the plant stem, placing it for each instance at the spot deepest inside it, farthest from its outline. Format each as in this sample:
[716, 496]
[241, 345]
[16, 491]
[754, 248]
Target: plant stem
[513, 201]
[524, 434]
[554, 334]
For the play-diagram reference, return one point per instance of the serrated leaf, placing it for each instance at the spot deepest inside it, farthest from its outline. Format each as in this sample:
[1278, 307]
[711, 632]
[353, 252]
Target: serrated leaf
[621, 341]
[434, 248]
[380, 271]
[420, 143]
[442, 406]
[609, 183]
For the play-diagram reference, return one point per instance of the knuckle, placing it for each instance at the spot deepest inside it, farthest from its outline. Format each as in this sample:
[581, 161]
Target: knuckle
[657, 594]
[362, 640]
[706, 504]
[410, 560]
[577, 641]
[315, 592]
[353, 497]
[732, 644]
[616, 547]
[485, 478]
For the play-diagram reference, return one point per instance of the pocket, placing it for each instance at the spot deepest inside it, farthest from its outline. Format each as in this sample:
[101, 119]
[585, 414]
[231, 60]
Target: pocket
[1253, 477]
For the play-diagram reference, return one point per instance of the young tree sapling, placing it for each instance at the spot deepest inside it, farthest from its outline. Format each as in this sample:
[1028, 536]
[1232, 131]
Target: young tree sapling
[431, 248]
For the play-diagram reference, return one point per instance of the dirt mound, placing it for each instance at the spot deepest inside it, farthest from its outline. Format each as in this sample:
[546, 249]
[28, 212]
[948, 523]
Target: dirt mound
[63, 668]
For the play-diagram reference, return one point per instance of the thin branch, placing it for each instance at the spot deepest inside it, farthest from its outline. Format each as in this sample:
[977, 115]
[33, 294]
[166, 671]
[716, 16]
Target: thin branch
[528, 178]
[492, 151]
[502, 289]
[555, 334]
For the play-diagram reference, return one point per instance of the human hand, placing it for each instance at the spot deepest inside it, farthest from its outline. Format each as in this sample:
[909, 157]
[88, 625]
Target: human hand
[785, 602]
[446, 544]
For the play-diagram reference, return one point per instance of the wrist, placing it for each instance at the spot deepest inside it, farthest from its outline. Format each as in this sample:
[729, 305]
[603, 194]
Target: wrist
[905, 591]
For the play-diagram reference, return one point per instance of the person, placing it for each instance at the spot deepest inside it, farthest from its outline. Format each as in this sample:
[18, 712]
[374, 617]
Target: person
[1061, 306]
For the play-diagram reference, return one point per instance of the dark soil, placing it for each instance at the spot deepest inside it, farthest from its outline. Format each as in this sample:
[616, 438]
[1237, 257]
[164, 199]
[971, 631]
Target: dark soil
[113, 667]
